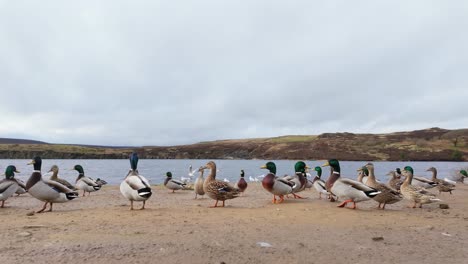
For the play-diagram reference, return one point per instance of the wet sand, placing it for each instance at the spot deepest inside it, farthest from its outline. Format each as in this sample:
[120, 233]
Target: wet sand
[175, 228]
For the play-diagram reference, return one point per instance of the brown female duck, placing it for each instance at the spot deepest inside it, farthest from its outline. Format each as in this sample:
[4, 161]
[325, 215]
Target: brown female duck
[218, 190]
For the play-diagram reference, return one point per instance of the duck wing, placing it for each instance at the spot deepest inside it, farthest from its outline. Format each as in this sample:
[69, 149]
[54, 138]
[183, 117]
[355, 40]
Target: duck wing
[357, 185]
[58, 186]
[5, 184]
[287, 182]
[179, 182]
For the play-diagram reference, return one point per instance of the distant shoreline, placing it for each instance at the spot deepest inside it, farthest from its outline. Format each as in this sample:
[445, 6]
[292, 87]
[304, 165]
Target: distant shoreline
[433, 144]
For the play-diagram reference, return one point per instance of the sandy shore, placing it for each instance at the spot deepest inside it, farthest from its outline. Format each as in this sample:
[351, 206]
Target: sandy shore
[177, 229]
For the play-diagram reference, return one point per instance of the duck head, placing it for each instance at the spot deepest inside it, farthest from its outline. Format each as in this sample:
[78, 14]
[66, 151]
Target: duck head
[79, 169]
[334, 165]
[318, 169]
[169, 174]
[37, 163]
[464, 173]
[301, 167]
[134, 161]
[210, 165]
[54, 169]
[201, 169]
[10, 172]
[242, 174]
[432, 169]
[270, 166]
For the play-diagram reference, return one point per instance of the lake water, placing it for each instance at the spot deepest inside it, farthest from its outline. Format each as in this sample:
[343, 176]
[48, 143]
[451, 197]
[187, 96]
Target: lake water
[113, 171]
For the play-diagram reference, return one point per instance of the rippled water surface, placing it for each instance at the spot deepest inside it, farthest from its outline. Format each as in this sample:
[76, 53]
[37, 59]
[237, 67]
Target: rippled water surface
[114, 171]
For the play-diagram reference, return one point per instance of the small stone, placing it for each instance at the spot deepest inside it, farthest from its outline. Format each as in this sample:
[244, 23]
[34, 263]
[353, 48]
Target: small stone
[444, 206]
[25, 234]
[31, 213]
[377, 238]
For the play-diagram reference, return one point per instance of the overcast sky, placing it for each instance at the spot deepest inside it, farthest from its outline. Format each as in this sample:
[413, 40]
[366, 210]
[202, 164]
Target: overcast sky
[176, 72]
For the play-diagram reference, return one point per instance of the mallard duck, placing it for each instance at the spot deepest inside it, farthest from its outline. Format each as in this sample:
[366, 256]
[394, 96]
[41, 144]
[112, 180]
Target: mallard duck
[55, 170]
[319, 184]
[415, 194]
[387, 194]
[299, 178]
[347, 189]
[173, 184]
[395, 180]
[275, 185]
[85, 183]
[241, 183]
[218, 190]
[198, 188]
[443, 186]
[9, 185]
[135, 187]
[47, 191]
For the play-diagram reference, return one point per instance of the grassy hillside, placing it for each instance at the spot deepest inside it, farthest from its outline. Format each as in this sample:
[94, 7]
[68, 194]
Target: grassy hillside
[427, 144]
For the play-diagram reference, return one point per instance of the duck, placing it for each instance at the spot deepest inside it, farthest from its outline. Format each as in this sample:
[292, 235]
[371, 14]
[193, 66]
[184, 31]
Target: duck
[319, 184]
[55, 170]
[275, 185]
[47, 191]
[135, 187]
[350, 191]
[218, 190]
[173, 184]
[387, 194]
[443, 185]
[395, 180]
[241, 183]
[198, 188]
[415, 194]
[9, 185]
[299, 178]
[85, 183]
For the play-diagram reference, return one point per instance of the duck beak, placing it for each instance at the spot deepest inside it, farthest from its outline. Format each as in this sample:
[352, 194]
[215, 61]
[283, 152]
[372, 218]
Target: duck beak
[263, 167]
[17, 172]
[360, 169]
[326, 164]
[31, 162]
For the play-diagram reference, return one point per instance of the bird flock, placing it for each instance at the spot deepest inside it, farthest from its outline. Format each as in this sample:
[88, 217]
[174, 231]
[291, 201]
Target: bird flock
[402, 185]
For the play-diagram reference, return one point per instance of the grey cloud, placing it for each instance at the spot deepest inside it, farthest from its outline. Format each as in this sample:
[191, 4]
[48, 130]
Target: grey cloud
[162, 73]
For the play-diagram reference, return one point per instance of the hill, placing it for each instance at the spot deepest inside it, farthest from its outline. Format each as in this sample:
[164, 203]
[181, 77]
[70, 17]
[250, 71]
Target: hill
[419, 145]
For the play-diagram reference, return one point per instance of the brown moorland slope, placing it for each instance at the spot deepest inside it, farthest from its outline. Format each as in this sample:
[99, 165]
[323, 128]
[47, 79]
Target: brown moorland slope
[419, 145]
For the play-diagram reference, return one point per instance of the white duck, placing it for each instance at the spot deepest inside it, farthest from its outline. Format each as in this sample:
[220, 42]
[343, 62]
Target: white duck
[135, 187]
[47, 191]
